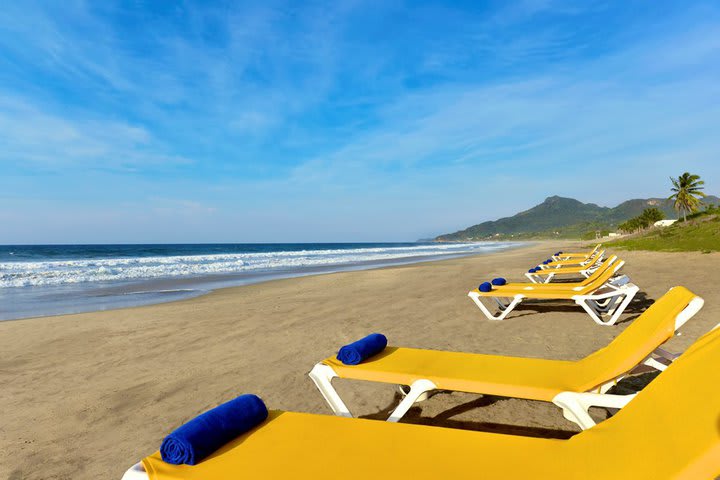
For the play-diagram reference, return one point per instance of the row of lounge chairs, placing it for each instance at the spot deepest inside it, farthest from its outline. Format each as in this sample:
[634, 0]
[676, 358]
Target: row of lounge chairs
[603, 294]
[670, 429]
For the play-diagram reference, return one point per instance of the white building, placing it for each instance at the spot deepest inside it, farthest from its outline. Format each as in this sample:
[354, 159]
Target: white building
[664, 223]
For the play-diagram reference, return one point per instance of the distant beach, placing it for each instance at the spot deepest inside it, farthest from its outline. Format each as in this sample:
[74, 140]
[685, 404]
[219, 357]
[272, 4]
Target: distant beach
[41, 280]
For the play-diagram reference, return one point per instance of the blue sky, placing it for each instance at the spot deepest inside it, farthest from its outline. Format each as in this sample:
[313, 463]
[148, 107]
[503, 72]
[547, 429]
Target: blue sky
[342, 121]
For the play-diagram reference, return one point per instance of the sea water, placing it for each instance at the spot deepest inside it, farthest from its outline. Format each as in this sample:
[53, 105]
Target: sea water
[40, 280]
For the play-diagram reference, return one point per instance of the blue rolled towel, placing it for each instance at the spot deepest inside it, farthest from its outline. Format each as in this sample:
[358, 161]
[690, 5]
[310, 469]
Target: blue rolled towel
[356, 352]
[557, 253]
[204, 434]
[499, 281]
[532, 270]
[485, 287]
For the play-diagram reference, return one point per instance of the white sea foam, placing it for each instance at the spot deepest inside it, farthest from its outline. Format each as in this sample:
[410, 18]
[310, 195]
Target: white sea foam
[63, 272]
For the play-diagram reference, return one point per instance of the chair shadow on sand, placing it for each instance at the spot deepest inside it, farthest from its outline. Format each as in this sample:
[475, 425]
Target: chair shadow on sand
[444, 419]
[628, 385]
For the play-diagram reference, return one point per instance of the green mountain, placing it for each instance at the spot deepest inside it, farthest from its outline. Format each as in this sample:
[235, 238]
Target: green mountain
[564, 217]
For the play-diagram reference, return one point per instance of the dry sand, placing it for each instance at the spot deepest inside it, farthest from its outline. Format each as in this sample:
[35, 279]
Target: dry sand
[86, 396]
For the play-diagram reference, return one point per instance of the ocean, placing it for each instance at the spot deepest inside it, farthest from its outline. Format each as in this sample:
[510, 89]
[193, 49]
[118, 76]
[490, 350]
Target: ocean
[39, 280]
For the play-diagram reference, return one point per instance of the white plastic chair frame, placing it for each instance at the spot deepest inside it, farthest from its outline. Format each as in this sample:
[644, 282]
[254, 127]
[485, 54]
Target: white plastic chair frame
[549, 274]
[561, 257]
[136, 472]
[604, 305]
[575, 405]
[581, 262]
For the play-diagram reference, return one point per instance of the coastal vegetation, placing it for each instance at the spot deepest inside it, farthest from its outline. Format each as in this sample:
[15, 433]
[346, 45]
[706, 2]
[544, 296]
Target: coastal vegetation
[646, 219]
[700, 232]
[687, 192]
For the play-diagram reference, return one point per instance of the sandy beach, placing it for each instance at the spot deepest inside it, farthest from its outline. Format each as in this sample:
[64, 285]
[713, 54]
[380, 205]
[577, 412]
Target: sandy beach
[86, 396]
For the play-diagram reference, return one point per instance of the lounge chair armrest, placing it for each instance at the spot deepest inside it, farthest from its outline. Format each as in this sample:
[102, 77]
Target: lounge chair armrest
[575, 405]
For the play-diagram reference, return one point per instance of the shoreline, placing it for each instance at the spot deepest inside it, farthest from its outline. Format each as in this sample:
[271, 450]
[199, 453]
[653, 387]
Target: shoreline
[156, 291]
[92, 393]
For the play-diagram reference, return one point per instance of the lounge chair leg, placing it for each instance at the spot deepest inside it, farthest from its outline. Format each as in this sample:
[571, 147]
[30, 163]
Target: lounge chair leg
[501, 303]
[322, 375]
[614, 308]
[136, 472]
[504, 310]
[586, 305]
[575, 405]
[617, 311]
[573, 410]
[418, 388]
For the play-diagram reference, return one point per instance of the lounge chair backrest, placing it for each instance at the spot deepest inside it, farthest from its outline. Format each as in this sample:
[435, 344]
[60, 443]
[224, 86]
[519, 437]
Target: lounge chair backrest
[576, 261]
[602, 275]
[600, 270]
[674, 422]
[652, 328]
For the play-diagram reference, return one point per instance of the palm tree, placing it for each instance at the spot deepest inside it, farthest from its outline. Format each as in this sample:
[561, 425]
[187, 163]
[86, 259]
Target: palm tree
[688, 191]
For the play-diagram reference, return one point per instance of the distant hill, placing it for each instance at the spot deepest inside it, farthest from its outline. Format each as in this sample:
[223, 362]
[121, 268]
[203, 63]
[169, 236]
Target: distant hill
[565, 217]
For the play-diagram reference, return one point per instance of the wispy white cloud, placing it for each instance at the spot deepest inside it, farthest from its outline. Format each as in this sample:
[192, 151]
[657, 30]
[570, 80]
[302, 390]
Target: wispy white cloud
[352, 112]
[31, 138]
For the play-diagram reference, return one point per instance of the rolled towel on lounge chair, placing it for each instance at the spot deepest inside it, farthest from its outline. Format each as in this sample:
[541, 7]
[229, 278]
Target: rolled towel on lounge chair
[192, 442]
[499, 281]
[485, 287]
[356, 352]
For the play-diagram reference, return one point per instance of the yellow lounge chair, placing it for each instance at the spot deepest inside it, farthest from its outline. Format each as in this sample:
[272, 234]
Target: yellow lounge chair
[571, 255]
[601, 295]
[671, 431]
[545, 275]
[556, 381]
[611, 263]
[573, 262]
